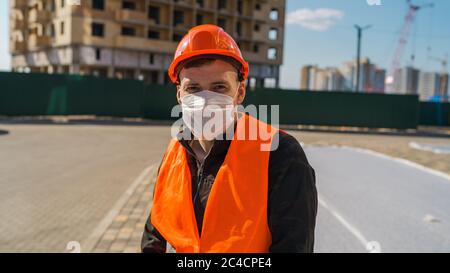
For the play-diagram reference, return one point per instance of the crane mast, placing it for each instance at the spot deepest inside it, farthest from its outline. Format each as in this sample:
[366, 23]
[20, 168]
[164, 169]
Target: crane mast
[402, 42]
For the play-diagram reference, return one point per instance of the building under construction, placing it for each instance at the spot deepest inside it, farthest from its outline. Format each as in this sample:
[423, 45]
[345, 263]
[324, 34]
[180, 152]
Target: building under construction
[137, 38]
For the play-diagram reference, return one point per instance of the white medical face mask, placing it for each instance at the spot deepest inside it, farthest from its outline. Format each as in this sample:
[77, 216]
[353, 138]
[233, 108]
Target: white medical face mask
[208, 114]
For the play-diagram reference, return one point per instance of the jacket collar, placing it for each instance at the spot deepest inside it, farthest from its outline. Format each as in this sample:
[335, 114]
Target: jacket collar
[220, 145]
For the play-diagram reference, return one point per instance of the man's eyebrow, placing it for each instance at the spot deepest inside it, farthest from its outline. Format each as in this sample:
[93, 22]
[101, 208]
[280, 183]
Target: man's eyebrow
[192, 84]
[220, 82]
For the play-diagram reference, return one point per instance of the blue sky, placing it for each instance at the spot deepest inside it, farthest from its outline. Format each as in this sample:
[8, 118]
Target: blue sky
[305, 44]
[4, 54]
[321, 32]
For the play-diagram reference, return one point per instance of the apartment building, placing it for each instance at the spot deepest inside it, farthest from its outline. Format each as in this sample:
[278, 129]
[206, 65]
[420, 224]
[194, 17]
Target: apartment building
[429, 85]
[406, 80]
[137, 38]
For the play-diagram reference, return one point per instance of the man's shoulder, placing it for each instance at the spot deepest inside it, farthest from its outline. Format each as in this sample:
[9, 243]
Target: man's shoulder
[286, 148]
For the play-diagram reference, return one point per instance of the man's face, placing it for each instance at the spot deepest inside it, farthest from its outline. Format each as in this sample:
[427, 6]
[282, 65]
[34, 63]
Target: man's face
[218, 76]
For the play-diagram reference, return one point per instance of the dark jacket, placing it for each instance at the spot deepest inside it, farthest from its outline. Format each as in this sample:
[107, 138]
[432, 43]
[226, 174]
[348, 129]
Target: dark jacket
[292, 196]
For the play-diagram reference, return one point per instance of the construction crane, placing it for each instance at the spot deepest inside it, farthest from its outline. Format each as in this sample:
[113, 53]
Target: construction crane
[444, 77]
[403, 41]
[443, 61]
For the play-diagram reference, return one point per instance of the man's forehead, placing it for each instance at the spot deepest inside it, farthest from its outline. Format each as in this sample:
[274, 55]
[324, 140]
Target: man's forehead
[212, 79]
[217, 70]
[207, 73]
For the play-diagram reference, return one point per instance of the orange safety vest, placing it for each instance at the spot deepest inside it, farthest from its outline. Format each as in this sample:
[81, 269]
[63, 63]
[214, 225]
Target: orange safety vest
[235, 219]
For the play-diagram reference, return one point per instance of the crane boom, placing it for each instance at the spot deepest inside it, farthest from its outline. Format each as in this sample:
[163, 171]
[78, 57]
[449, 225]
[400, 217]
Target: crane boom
[402, 42]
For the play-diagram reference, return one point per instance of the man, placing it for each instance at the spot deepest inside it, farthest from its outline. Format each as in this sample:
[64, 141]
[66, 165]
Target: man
[220, 194]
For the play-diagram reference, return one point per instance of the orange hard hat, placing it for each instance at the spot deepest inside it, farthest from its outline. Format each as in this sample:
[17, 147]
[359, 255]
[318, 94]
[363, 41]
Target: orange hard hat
[207, 40]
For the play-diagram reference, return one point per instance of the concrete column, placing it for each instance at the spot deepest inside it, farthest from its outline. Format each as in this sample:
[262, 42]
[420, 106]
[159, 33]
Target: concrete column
[259, 82]
[59, 69]
[50, 69]
[110, 72]
[74, 69]
[137, 72]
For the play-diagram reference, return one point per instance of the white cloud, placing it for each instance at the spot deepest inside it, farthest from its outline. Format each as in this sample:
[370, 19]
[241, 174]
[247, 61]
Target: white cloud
[318, 19]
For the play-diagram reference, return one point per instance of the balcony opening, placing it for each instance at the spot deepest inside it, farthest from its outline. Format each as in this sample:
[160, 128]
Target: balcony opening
[98, 29]
[97, 4]
[178, 17]
[154, 13]
[129, 5]
[177, 37]
[245, 46]
[98, 54]
[239, 28]
[252, 83]
[274, 14]
[52, 30]
[102, 72]
[151, 58]
[153, 34]
[199, 19]
[200, 3]
[221, 22]
[240, 7]
[273, 34]
[272, 53]
[221, 4]
[270, 83]
[124, 73]
[128, 31]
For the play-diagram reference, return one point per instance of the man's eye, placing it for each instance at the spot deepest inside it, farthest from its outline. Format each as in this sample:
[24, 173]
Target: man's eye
[191, 89]
[220, 87]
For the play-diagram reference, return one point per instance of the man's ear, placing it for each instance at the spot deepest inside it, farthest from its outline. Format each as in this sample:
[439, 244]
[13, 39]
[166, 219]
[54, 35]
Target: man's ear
[179, 93]
[241, 92]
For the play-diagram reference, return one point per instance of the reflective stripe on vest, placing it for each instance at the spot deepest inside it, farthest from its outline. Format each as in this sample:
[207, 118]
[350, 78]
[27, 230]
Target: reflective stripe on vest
[235, 219]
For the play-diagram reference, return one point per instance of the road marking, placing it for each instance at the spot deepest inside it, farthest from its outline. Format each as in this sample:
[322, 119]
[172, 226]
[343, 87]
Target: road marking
[372, 246]
[431, 219]
[397, 159]
[429, 148]
[89, 244]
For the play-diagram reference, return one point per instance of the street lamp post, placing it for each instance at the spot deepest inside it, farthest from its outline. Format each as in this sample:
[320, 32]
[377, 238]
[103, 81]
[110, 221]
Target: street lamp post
[359, 30]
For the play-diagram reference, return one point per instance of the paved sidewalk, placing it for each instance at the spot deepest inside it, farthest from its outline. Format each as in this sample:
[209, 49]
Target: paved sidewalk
[125, 231]
[57, 182]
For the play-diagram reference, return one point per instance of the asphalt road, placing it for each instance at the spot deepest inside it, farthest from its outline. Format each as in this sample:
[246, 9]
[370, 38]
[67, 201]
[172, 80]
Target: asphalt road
[57, 182]
[369, 199]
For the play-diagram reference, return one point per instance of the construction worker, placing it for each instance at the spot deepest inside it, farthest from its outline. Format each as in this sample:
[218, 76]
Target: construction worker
[220, 195]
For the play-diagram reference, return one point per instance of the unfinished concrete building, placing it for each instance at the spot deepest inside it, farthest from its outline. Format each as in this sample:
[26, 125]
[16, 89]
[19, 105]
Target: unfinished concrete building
[137, 38]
